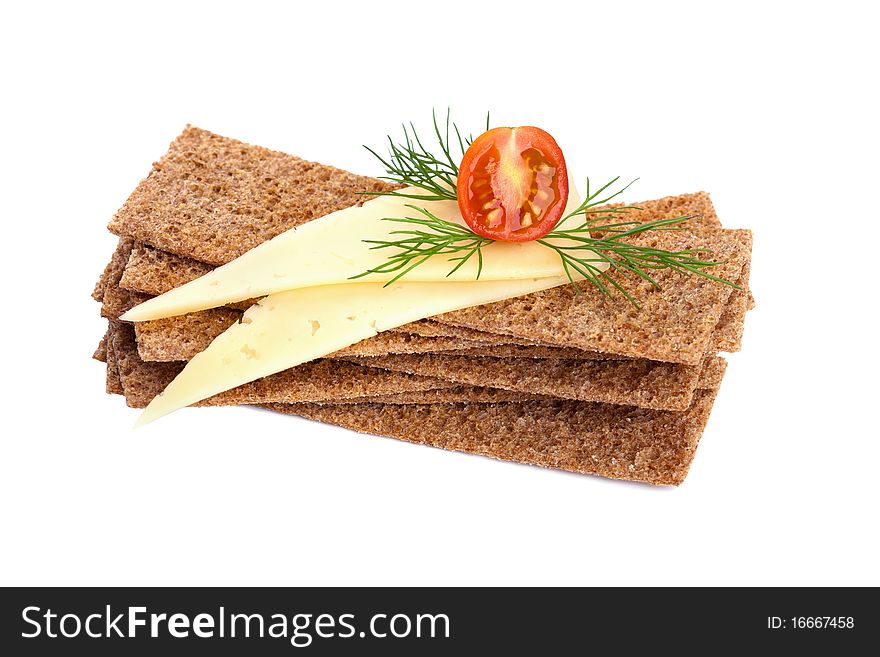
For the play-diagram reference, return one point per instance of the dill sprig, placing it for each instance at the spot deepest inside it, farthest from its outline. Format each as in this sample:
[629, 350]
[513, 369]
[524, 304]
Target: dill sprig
[410, 164]
[593, 200]
[420, 245]
[580, 250]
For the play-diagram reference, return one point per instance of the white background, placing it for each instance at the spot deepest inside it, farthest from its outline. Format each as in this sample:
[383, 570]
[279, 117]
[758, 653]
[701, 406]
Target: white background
[769, 106]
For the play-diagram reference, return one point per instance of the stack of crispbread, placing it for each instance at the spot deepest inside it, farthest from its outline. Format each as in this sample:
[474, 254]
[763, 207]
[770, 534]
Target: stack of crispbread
[580, 382]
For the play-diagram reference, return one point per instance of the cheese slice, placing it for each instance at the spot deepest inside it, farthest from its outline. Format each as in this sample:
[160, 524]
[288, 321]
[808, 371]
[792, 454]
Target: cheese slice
[331, 250]
[290, 328]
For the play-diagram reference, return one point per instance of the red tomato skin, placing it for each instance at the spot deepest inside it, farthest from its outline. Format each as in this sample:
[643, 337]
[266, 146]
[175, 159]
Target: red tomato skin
[499, 189]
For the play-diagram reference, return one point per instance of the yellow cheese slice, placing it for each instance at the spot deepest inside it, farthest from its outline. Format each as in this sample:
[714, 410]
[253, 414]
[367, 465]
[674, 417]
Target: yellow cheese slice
[290, 328]
[331, 250]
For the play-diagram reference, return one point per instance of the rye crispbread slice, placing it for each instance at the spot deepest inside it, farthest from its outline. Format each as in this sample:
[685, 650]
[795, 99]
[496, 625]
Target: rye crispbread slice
[591, 438]
[643, 383]
[144, 276]
[640, 383]
[430, 329]
[676, 393]
[212, 198]
[101, 284]
[454, 393]
[672, 324]
[153, 272]
[530, 351]
[318, 381]
[117, 301]
[458, 394]
[112, 296]
[726, 337]
[114, 299]
[729, 331]
[113, 384]
[101, 351]
[181, 338]
[451, 392]
[621, 442]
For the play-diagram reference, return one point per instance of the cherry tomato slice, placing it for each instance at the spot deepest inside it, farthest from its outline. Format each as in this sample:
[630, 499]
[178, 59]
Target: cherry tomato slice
[513, 184]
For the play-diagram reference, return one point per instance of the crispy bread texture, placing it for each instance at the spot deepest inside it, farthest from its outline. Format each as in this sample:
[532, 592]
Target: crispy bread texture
[621, 442]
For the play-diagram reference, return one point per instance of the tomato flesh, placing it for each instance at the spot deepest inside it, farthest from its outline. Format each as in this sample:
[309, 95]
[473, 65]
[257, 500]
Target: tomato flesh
[513, 184]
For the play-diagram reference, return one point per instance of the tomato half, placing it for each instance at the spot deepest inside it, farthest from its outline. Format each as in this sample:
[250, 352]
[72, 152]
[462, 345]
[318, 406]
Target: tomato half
[513, 184]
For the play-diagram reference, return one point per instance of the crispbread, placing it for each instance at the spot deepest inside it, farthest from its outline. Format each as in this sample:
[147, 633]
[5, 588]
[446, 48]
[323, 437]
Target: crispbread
[113, 384]
[621, 442]
[212, 198]
[729, 331]
[444, 395]
[531, 351]
[319, 381]
[98, 290]
[666, 327]
[431, 329]
[458, 394]
[117, 301]
[641, 383]
[154, 272]
[181, 338]
[101, 351]
[144, 274]
[727, 335]
[594, 322]
[108, 284]
[712, 373]
[710, 377]
[647, 384]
